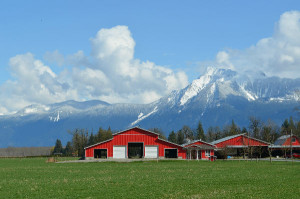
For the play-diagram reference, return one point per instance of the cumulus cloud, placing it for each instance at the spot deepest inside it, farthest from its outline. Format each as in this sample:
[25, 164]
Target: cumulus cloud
[110, 73]
[278, 55]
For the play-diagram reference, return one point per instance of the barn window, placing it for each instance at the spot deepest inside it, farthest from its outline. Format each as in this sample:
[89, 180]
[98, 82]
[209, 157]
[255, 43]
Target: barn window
[207, 153]
[171, 153]
[100, 153]
[293, 139]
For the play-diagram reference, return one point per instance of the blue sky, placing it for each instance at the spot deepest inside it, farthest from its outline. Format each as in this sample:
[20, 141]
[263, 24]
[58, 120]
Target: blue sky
[175, 40]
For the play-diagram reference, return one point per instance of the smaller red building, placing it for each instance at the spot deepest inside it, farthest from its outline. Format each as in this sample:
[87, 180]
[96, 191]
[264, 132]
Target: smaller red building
[239, 141]
[135, 143]
[236, 145]
[199, 149]
[286, 146]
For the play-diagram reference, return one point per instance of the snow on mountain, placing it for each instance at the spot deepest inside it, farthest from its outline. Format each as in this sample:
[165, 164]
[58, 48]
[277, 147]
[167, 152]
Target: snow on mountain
[141, 116]
[252, 86]
[215, 98]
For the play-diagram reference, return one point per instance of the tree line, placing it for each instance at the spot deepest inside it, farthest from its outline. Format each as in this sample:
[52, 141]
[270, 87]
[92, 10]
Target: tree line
[267, 131]
[81, 138]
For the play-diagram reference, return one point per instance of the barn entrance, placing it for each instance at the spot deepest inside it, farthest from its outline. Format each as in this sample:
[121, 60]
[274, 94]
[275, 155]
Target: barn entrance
[135, 150]
[171, 153]
[100, 153]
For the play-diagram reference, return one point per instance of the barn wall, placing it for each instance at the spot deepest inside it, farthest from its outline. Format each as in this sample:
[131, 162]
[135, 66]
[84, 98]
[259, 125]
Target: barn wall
[288, 141]
[240, 141]
[135, 135]
[162, 145]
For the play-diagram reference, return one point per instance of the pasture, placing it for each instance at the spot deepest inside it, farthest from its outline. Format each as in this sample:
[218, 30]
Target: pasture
[34, 178]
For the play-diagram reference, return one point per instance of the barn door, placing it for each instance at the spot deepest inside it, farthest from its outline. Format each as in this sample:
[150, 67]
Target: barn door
[119, 152]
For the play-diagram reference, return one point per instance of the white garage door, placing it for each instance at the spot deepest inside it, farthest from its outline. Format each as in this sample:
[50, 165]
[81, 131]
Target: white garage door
[119, 152]
[151, 151]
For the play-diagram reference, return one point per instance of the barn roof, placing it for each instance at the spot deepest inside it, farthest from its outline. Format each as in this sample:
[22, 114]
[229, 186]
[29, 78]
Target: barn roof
[170, 142]
[234, 136]
[98, 143]
[226, 138]
[136, 127]
[194, 141]
[281, 140]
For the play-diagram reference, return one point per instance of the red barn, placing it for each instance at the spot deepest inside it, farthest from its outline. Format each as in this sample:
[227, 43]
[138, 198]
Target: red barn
[284, 144]
[199, 150]
[287, 141]
[135, 143]
[239, 141]
[236, 144]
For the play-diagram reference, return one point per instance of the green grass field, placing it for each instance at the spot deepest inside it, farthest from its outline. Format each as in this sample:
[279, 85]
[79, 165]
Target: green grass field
[34, 178]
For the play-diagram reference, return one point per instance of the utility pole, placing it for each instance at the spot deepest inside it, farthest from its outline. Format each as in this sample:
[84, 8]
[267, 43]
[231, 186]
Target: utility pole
[291, 147]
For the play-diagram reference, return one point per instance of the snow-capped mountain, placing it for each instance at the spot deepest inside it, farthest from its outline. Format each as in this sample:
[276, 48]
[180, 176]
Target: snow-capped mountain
[215, 98]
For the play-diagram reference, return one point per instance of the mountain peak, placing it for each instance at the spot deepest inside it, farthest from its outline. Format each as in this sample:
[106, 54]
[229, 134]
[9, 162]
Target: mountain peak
[210, 76]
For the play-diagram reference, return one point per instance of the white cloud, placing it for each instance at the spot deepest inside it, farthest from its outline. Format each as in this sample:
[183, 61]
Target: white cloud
[278, 55]
[110, 73]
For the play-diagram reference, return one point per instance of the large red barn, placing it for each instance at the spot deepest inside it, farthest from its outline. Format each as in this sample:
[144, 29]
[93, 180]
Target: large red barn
[135, 143]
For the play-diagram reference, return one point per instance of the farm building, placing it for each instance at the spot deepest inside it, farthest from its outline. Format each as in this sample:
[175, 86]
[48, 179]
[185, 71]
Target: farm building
[135, 143]
[140, 143]
[199, 150]
[284, 144]
[236, 145]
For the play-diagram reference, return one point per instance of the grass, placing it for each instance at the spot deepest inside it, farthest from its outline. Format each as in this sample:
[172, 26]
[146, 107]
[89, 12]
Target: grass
[34, 178]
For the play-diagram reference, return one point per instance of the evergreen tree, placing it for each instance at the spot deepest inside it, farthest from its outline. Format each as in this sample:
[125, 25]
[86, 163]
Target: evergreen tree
[180, 137]
[234, 129]
[58, 147]
[92, 139]
[292, 126]
[172, 137]
[200, 132]
[244, 130]
[285, 127]
[255, 127]
[187, 132]
[210, 134]
[68, 150]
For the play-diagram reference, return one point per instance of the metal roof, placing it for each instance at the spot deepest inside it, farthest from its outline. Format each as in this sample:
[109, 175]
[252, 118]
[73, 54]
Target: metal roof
[170, 142]
[136, 127]
[200, 147]
[234, 136]
[226, 138]
[98, 143]
[281, 140]
[194, 141]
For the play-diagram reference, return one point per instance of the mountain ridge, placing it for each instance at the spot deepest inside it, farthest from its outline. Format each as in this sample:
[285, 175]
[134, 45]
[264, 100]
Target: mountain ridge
[215, 98]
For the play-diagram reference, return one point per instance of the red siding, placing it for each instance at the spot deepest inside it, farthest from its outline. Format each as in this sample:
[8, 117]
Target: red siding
[288, 141]
[162, 145]
[135, 135]
[240, 141]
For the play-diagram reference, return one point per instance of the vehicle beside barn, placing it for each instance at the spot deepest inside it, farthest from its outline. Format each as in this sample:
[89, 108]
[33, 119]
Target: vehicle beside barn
[135, 143]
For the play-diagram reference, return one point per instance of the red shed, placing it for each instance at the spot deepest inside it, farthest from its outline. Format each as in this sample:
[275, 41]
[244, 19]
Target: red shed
[135, 143]
[199, 149]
